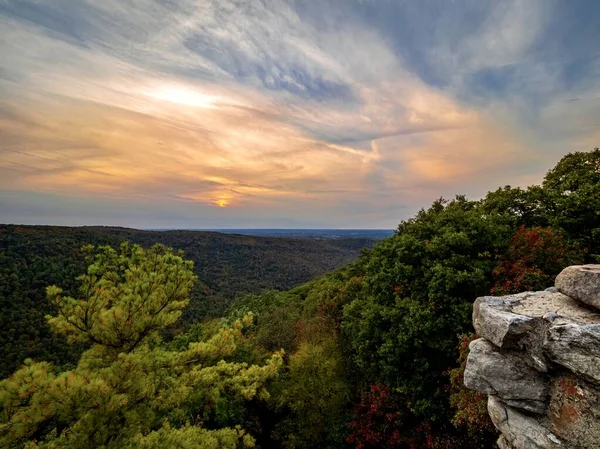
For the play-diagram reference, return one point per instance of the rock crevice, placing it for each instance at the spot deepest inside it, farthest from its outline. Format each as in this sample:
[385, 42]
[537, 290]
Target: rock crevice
[538, 360]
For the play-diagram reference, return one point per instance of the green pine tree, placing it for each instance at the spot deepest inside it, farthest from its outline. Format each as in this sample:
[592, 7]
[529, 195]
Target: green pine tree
[127, 390]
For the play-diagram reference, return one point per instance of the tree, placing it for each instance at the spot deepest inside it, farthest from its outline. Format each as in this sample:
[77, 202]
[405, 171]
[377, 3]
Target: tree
[517, 206]
[573, 187]
[127, 390]
[377, 420]
[312, 397]
[533, 259]
[419, 287]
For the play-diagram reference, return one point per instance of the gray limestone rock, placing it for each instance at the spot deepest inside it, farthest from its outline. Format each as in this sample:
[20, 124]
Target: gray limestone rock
[521, 431]
[503, 443]
[581, 282]
[506, 374]
[576, 348]
[560, 307]
[539, 362]
[493, 319]
[521, 321]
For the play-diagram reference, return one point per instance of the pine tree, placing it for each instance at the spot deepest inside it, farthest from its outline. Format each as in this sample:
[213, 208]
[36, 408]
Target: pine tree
[127, 390]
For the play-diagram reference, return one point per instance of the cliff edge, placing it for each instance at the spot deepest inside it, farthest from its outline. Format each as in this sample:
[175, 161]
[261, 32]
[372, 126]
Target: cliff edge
[539, 363]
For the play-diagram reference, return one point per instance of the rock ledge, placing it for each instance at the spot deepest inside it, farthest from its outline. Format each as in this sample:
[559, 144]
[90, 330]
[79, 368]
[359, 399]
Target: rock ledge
[539, 362]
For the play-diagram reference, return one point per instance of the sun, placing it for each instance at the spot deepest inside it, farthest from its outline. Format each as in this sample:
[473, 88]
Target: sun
[221, 198]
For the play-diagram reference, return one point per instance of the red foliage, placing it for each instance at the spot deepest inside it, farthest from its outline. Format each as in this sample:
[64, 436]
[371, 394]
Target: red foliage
[534, 257]
[377, 421]
[382, 420]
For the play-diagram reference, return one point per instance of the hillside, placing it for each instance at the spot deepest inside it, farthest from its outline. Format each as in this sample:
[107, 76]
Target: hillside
[33, 257]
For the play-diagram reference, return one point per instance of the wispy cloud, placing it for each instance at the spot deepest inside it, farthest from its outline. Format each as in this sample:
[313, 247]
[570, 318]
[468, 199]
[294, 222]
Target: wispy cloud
[355, 115]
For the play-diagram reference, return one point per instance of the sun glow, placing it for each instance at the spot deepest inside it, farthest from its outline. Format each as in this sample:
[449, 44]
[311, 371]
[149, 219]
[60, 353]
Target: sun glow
[179, 94]
[222, 198]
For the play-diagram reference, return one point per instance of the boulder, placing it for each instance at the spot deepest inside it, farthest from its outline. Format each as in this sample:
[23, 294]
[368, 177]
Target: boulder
[506, 374]
[576, 348]
[581, 282]
[520, 430]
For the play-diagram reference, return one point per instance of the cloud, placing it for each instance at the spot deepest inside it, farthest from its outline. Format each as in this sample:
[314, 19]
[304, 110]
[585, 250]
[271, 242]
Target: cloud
[284, 110]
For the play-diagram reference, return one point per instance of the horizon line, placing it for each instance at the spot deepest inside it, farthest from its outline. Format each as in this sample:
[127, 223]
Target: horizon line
[196, 229]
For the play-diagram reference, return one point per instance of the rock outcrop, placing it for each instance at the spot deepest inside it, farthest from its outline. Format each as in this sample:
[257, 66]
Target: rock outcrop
[581, 282]
[538, 360]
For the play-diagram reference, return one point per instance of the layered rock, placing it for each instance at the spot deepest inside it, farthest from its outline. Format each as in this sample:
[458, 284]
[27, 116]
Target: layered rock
[506, 374]
[539, 362]
[581, 282]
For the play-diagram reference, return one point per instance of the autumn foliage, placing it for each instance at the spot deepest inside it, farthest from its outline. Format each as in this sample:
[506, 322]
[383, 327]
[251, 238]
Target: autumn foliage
[382, 419]
[534, 257]
[377, 420]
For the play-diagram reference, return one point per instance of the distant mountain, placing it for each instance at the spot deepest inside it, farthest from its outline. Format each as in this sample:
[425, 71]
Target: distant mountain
[328, 234]
[227, 265]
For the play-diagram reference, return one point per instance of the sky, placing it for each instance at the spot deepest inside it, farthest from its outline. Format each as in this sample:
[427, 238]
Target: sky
[285, 114]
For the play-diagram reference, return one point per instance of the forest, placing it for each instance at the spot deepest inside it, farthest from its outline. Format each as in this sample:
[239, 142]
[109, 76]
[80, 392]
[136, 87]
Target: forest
[369, 355]
[33, 257]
